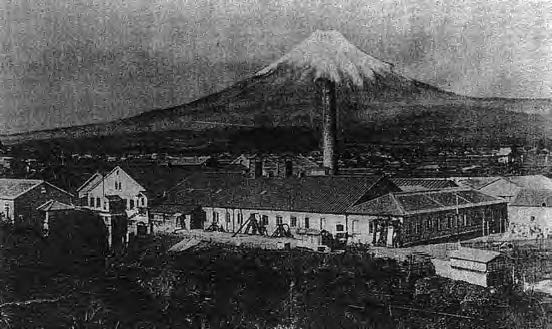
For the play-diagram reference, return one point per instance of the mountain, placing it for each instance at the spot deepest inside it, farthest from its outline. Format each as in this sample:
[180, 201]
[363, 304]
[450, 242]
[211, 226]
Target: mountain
[375, 101]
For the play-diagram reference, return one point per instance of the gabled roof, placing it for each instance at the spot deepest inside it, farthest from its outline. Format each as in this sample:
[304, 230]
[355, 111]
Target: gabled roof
[11, 188]
[476, 255]
[384, 205]
[307, 194]
[533, 198]
[410, 203]
[54, 205]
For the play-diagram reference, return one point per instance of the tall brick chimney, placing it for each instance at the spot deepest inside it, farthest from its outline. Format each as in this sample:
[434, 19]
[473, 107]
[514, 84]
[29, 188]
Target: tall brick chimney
[329, 132]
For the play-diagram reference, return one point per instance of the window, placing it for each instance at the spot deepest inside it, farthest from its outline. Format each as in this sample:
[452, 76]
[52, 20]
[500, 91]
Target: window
[293, 221]
[98, 203]
[264, 220]
[240, 218]
[227, 217]
[116, 186]
[143, 201]
[339, 228]
[215, 217]
[131, 203]
[279, 220]
[91, 203]
[307, 222]
[125, 202]
[355, 226]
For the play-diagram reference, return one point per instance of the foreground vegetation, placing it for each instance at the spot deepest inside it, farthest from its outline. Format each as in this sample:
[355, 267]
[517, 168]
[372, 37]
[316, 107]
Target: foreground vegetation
[50, 284]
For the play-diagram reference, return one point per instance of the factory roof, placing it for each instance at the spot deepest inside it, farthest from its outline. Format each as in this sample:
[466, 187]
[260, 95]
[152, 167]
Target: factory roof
[321, 194]
[410, 203]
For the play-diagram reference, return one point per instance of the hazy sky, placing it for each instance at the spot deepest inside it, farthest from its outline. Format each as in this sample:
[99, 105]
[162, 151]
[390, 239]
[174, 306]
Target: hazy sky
[68, 62]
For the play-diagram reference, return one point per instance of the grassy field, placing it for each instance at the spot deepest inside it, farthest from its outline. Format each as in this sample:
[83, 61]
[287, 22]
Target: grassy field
[211, 286]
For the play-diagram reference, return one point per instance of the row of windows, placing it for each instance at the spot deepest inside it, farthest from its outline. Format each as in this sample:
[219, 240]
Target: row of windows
[97, 203]
[449, 222]
[279, 220]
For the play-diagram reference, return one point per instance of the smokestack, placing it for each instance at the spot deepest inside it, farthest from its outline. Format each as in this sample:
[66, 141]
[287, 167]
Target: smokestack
[329, 112]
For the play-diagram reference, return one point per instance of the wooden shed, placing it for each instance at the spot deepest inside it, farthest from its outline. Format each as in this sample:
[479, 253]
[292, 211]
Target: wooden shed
[481, 267]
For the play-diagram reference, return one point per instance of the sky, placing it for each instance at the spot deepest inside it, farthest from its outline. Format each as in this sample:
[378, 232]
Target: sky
[73, 62]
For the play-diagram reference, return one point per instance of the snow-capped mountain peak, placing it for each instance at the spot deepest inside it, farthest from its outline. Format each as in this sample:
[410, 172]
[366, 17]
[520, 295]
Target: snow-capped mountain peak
[328, 54]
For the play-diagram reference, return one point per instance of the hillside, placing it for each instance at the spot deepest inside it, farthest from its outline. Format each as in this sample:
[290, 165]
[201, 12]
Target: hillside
[373, 99]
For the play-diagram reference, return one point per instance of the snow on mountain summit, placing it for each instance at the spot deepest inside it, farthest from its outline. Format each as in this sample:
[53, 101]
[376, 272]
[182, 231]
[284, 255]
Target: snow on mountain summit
[328, 54]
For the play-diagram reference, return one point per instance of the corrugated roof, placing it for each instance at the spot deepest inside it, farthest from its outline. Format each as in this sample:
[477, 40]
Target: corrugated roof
[472, 254]
[10, 188]
[407, 203]
[422, 184]
[533, 198]
[309, 194]
[384, 205]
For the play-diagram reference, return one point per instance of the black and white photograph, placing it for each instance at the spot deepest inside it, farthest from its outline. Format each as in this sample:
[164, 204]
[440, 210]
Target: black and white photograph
[278, 164]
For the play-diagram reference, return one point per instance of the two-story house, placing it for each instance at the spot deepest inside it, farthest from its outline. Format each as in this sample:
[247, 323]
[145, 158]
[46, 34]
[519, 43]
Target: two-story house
[139, 187]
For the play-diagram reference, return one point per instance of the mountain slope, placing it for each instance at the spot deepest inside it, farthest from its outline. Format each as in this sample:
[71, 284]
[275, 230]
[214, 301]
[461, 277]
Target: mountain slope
[372, 97]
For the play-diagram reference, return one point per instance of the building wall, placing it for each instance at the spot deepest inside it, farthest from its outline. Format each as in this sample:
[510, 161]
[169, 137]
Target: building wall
[470, 222]
[25, 212]
[129, 191]
[316, 221]
[361, 229]
[530, 222]
[478, 278]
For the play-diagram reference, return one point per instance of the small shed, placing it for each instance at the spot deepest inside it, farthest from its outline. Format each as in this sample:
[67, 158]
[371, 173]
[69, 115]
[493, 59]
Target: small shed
[481, 267]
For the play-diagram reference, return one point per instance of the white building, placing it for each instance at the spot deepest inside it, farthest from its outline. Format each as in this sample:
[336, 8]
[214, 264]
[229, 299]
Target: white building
[476, 266]
[139, 187]
[307, 205]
